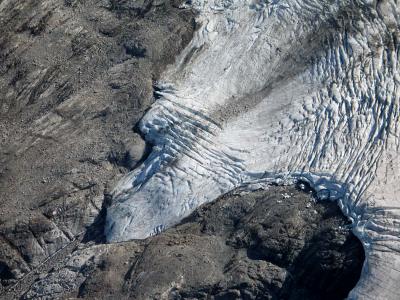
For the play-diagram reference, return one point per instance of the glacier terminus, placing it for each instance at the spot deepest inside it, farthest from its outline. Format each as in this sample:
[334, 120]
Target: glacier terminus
[279, 91]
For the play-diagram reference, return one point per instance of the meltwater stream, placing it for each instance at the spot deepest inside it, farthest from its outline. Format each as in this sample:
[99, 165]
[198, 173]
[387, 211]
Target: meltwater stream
[278, 91]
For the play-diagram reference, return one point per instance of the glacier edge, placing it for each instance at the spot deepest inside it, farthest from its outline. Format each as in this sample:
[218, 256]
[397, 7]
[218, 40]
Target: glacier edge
[279, 91]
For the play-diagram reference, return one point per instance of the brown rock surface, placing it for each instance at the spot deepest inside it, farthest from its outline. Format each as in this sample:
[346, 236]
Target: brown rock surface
[75, 77]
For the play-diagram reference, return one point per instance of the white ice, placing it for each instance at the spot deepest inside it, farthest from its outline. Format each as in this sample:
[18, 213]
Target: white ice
[276, 91]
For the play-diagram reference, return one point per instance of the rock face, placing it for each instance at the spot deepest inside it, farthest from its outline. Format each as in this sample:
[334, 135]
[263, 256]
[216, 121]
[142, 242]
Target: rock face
[273, 244]
[75, 77]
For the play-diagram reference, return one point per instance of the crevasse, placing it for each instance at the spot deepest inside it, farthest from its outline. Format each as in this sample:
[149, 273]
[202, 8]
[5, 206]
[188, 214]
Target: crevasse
[279, 91]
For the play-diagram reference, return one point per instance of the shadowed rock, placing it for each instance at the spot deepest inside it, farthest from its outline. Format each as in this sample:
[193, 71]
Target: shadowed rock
[273, 244]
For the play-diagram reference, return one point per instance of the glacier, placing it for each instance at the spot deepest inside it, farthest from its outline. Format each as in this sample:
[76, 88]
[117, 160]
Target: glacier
[278, 91]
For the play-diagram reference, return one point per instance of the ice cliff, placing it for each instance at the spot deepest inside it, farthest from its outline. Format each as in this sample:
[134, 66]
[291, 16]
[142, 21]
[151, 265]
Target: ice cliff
[279, 91]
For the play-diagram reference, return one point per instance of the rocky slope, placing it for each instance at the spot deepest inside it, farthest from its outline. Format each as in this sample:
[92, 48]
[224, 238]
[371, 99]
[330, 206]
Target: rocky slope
[75, 77]
[269, 244]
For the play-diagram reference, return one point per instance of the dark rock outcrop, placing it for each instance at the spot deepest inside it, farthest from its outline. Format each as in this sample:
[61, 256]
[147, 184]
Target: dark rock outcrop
[273, 244]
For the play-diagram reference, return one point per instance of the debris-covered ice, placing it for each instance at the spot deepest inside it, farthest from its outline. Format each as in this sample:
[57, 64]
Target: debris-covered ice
[279, 91]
